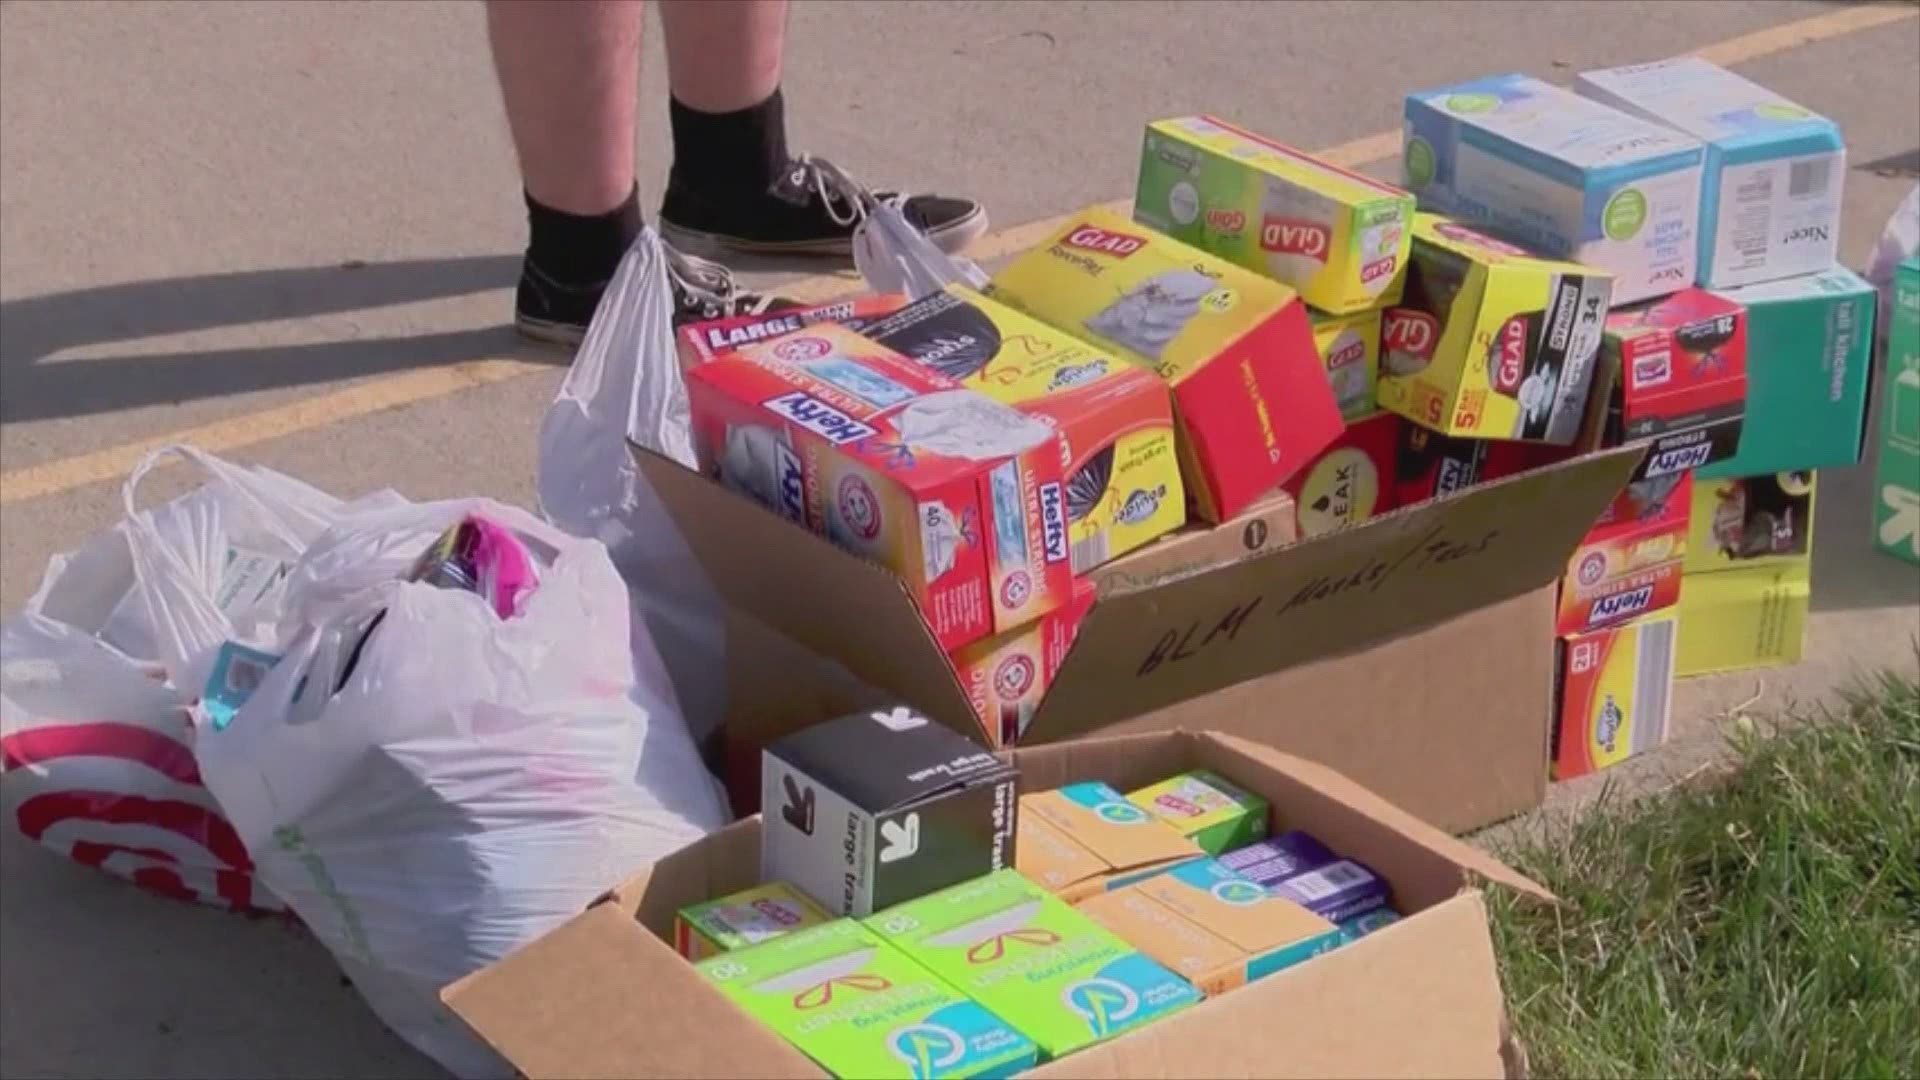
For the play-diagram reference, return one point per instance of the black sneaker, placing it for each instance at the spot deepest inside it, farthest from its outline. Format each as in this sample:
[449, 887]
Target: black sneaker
[557, 312]
[810, 211]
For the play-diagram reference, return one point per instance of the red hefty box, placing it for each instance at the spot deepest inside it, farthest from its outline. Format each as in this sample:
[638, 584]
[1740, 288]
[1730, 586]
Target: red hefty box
[1007, 675]
[1352, 480]
[959, 495]
[1679, 372]
[1629, 564]
[699, 342]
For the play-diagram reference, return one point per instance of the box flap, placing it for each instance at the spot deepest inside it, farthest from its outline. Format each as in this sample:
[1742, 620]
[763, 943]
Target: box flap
[1143, 649]
[835, 603]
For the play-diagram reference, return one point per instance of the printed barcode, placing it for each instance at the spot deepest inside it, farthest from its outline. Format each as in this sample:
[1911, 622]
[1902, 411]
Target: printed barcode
[1345, 873]
[1315, 885]
[1808, 178]
[1088, 552]
[1652, 686]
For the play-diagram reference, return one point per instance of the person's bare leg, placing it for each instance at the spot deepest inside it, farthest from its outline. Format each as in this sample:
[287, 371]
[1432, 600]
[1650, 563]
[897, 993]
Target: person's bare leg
[570, 74]
[723, 55]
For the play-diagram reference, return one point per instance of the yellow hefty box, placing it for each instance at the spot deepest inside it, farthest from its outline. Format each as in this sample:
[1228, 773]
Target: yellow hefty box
[1616, 691]
[1748, 521]
[1734, 620]
[1489, 341]
[1250, 395]
[1338, 237]
[1350, 349]
[1114, 418]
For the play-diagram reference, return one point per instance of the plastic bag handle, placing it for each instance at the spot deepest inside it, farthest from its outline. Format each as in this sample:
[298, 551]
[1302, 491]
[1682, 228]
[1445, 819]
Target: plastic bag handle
[232, 478]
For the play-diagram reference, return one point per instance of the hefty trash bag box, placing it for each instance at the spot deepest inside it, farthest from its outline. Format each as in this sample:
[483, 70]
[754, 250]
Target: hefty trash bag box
[1428, 465]
[1336, 236]
[1562, 175]
[1249, 392]
[1809, 364]
[1747, 589]
[1114, 418]
[702, 341]
[1770, 197]
[1006, 675]
[1630, 563]
[1616, 693]
[1674, 374]
[1896, 485]
[604, 994]
[959, 494]
[1489, 341]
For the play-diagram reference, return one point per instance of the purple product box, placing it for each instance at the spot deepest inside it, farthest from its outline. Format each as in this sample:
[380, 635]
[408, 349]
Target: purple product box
[1277, 858]
[1339, 890]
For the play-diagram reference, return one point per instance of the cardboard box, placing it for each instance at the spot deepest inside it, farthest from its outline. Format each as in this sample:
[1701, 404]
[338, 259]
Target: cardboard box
[1809, 364]
[1747, 590]
[1338, 237]
[960, 495]
[1059, 977]
[1007, 675]
[1250, 395]
[1087, 838]
[1561, 175]
[1269, 524]
[1770, 196]
[1616, 693]
[1215, 928]
[702, 341]
[746, 918]
[564, 1005]
[1207, 809]
[877, 808]
[1350, 350]
[1489, 341]
[1452, 600]
[1355, 479]
[1675, 373]
[1114, 418]
[1630, 563]
[859, 1007]
[1896, 485]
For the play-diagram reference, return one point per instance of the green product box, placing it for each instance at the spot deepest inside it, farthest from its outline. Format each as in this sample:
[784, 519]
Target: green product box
[1896, 485]
[1809, 363]
[1062, 979]
[746, 918]
[1207, 809]
[860, 1008]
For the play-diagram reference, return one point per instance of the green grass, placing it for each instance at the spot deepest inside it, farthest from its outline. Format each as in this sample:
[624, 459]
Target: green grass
[1763, 924]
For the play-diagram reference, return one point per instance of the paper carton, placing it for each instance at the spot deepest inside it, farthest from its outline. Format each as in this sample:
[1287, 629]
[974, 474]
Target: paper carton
[1809, 363]
[876, 808]
[1350, 350]
[1059, 977]
[1250, 395]
[1630, 563]
[605, 995]
[1299, 868]
[702, 341]
[1114, 418]
[1561, 175]
[1770, 196]
[1269, 524]
[960, 495]
[1616, 690]
[1007, 675]
[1281, 857]
[746, 918]
[857, 1006]
[1207, 809]
[1490, 342]
[1745, 597]
[1338, 237]
[1353, 480]
[1087, 838]
[1675, 373]
[1896, 486]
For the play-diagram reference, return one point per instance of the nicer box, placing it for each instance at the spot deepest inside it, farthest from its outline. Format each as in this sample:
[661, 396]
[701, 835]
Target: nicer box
[876, 808]
[1770, 197]
[1630, 563]
[1561, 175]
[857, 1006]
[1353, 480]
[1615, 694]
[1087, 838]
[1338, 237]
[1809, 364]
[1490, 342]
[746, 918]
[1267, 525]
[702, 341]
[1745, 597]
[1249, 392]
[1006, 675]
[1896, 488]
[1114, 418]
[1207, 809]
[959, 494]
[1350, 348]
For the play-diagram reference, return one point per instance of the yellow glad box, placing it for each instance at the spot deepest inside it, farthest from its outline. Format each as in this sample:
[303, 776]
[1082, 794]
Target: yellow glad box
[1350, 348]
[1489, 341]
[1747, 586]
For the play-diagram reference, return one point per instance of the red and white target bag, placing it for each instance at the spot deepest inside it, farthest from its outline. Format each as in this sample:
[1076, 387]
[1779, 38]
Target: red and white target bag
[97, 672]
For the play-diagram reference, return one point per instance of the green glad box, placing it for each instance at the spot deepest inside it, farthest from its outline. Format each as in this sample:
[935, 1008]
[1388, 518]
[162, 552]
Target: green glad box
[1062, 979]
[859, 1007]
[1207, 809]
[1896, 485]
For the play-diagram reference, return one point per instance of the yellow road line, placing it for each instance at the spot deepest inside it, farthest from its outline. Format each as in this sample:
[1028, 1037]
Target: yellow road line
[427, 383]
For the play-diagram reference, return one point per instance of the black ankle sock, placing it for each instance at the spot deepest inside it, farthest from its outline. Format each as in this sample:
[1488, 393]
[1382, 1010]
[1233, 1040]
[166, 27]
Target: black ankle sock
[743, 151]
[581, 248]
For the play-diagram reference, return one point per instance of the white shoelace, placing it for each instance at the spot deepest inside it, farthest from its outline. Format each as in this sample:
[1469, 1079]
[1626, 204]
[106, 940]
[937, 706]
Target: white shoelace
[836, 188]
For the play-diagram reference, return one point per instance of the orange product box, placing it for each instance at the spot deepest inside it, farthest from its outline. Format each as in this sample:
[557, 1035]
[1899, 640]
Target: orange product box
[959, 495]
[1086, 838]
[1630, 563]
[1615, 695]
[1352, 481]
[699, 342]
[1006, 675]
[1251, 396]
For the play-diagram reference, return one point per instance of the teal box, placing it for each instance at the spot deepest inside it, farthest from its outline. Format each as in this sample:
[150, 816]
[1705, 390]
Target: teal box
[1809, 363]
[1896, 484]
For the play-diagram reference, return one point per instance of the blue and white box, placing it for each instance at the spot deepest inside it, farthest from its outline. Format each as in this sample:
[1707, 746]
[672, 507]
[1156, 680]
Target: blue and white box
[1564, 176]
[1770, 197]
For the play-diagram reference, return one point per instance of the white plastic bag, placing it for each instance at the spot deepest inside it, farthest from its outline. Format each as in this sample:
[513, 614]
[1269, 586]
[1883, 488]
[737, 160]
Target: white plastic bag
[1898, 242]
[474, 781]
[895, 257]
